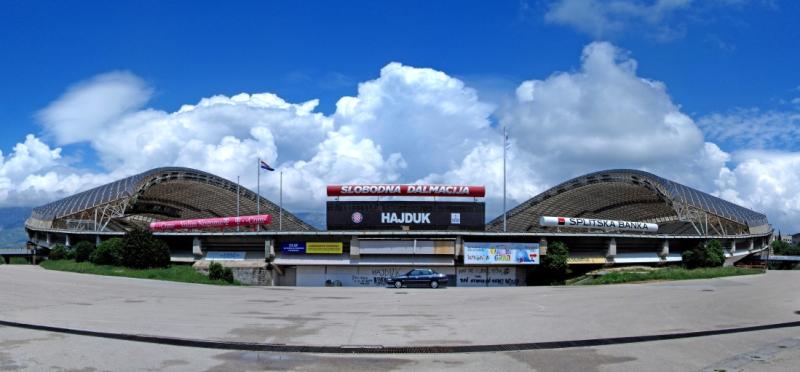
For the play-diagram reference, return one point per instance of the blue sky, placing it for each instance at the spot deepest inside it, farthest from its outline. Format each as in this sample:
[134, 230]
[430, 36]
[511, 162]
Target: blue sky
[727, 65]
[734, 56]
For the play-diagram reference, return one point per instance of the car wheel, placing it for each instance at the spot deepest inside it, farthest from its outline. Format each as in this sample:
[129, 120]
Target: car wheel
[434, 284]
[398, 284]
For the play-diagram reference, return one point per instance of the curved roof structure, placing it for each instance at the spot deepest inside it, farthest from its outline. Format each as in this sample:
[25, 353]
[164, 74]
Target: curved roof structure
[159, 194]
[633, 195]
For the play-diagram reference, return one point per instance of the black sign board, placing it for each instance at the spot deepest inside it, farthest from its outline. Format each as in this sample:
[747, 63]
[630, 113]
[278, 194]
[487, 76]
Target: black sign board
[397, 215]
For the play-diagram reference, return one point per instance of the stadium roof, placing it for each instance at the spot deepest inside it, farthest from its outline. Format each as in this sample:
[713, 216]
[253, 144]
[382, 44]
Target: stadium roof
[634, 195]
[159, 194]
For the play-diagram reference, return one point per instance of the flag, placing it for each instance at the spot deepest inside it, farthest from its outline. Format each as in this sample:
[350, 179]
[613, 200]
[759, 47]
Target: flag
[266, 166]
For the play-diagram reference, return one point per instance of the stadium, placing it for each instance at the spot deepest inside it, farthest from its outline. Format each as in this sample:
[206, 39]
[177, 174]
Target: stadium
[611, 217]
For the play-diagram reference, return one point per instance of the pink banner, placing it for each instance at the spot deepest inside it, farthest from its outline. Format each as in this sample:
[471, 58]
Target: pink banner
[204, 223]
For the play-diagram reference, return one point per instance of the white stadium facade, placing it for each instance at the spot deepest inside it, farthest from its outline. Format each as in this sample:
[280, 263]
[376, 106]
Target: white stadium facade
[612, 217]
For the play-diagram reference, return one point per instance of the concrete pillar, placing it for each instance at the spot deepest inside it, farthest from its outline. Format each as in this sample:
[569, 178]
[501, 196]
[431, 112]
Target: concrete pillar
[752, 244]
[733, 246]
[48, 239]
[612, 248]
[459, 248]
[269, 249]
[664, 249]
[542, 246]
[66, 240]
[197, 248]
[355, 248]
[96, 240]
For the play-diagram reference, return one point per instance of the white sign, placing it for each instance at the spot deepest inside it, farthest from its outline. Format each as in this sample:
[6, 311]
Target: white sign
[455, 218]
[225, 256]
[593, 223]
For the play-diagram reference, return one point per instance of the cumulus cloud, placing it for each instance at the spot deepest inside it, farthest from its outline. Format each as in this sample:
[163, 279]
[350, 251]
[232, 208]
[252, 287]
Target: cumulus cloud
[409, 124]
[605, 116]
[766, 181]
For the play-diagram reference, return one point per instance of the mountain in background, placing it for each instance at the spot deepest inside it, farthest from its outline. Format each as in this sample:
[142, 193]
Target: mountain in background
[12, 226]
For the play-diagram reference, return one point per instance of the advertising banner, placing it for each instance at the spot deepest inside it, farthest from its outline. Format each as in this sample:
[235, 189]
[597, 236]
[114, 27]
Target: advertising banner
[501, 253]
[324, 247]
[398, 215]
[407, 190]
[593, 223]
[225, 256]
[293, 248]
[407, 247]
[219, 222]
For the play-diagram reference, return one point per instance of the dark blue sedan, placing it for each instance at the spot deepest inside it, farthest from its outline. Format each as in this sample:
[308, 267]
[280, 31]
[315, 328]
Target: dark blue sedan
[418, 278]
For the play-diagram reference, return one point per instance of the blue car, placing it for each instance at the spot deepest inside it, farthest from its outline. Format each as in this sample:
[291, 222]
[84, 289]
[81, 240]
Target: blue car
[418, 278]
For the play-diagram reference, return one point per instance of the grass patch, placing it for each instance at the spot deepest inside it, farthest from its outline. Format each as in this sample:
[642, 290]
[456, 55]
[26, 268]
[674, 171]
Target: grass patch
[670, 273]
[174, 273]
[18, 261]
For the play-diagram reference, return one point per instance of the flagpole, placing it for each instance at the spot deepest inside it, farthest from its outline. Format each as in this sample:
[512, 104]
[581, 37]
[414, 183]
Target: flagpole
[237, 201]
[280, 215]
[505, 139]
[258, 191]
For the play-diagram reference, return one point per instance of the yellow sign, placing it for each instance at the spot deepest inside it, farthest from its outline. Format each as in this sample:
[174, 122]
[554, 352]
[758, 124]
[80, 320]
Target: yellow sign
[586, 260]
[324, 247]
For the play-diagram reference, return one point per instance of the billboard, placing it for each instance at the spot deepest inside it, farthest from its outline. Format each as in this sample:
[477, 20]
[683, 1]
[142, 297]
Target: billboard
[399, 215]
[407, 190]
[501, 253]
[219, 222]
[593, 223]
[312, 247]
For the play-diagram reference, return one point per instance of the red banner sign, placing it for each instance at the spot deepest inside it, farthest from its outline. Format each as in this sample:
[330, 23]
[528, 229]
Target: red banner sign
[407, 190]
[220, 222]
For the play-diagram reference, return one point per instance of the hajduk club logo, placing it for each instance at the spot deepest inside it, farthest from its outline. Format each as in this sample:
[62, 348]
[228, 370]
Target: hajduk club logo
[357, 217]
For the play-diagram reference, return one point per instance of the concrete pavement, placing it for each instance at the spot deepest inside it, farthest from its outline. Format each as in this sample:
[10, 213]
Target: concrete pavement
[390, 317]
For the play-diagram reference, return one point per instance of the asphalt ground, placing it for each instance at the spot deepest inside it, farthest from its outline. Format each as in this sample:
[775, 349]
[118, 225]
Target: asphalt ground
[390, 317]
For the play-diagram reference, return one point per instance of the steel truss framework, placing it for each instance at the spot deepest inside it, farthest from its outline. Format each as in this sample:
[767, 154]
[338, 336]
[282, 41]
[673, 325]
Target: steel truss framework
[636, 196]
[155, 195]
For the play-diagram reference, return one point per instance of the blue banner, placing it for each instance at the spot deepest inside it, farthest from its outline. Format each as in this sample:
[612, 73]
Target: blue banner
[295, 247]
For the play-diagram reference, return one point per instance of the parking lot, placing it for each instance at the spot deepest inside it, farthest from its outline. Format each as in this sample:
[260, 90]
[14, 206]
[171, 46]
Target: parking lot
[388, 317]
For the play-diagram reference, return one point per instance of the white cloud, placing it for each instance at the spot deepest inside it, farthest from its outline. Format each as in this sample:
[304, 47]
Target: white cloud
[90, 105]
[767, 181]
[754, 129]
[605, 116]
[406, 125]
[602, 19]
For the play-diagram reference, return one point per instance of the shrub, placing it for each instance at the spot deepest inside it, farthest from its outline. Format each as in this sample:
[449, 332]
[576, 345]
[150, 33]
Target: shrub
[709, 254]
[227, 275]
[83, 250]
[215, 271]
[107, 252]
[141, 250]
[58, 252]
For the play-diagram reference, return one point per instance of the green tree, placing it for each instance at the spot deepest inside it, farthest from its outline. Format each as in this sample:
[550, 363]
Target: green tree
[141, 250]
[58, 252]
[107, 252]
[83, 250]
[709, 254]
[782, 248]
